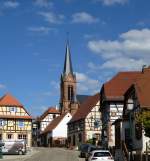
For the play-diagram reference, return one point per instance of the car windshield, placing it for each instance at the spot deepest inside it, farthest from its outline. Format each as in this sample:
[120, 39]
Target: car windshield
[102, 154]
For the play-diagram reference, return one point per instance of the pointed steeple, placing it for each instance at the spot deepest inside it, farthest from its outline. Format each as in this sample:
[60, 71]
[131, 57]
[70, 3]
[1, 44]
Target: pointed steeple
[68, 64]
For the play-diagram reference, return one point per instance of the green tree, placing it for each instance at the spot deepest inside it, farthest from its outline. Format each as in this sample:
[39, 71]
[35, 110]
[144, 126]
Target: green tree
[144, 118]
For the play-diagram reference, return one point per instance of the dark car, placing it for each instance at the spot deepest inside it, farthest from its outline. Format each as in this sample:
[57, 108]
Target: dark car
[85, 149]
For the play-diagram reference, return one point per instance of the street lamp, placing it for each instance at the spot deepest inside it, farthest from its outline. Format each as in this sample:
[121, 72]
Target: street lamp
[130, 106]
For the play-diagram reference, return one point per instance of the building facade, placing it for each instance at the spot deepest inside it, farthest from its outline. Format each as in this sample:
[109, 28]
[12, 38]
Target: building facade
[85, 126]
[41, 123]
[112, 101]
[130, 139]
[15, 121]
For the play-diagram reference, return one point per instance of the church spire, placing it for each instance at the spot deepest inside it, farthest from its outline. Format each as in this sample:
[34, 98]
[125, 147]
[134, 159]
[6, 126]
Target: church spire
[68, 64]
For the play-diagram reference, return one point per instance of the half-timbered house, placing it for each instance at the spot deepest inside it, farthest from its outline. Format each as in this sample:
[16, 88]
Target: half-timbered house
[130, 136]
[56, 132]
[15, 121]
[86, 123]
[43, 121]
[112, 100]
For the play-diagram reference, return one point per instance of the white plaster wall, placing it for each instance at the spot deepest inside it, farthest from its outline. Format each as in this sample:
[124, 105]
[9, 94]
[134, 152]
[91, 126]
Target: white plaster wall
[61, 129]
[145, 140]
[118, 110]
[91, 133]
[112, 142]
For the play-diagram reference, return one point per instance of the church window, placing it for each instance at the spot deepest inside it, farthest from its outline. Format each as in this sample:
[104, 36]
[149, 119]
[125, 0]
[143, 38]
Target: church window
[70, 93]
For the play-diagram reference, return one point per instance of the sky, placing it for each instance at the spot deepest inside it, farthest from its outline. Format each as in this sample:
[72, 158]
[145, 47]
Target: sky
[105, 36]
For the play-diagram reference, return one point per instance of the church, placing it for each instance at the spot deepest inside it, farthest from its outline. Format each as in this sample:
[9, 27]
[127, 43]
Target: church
[68, 99]
[53, 122]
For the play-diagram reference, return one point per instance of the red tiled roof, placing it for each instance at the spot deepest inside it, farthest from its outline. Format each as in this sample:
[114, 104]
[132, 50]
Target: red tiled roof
[86, 107]
[9, 100]
[142, 86]
[50, 110]
[15, 117]
[54, 123]
[117, 86]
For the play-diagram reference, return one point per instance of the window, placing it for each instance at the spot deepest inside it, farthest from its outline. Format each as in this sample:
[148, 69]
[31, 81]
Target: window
[21, 123]
[102, 154]
[22, 136]
[1, 122]
[12, 109]
[70, 93]
[54, 116]
[10, 123]
[9, 136]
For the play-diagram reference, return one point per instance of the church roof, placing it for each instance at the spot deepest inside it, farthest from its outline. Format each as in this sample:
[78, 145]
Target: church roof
[68, 64]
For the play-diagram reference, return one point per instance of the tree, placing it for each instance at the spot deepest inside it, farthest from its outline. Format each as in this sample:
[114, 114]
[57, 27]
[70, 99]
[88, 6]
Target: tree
[144, 118]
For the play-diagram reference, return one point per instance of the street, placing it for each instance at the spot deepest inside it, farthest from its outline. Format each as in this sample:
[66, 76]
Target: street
[46, 154]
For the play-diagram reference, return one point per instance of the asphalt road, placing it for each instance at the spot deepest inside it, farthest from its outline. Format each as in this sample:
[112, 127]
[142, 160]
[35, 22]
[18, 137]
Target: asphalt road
[47, 154]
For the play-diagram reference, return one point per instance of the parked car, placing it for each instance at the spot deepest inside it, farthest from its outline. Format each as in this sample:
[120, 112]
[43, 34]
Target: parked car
[90, 150]
[85, 149]
[14, 147]
[100, 155]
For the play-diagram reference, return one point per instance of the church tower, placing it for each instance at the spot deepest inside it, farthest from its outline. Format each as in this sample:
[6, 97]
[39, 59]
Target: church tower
[68, 102]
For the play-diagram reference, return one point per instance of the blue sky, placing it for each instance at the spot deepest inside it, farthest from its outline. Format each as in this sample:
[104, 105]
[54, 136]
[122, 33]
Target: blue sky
[106, 36]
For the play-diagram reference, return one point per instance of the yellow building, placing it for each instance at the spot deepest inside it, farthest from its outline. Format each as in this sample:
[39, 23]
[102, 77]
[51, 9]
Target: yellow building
[15, 122]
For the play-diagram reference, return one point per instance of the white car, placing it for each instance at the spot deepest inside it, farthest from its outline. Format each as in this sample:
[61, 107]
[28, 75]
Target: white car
[100, 155]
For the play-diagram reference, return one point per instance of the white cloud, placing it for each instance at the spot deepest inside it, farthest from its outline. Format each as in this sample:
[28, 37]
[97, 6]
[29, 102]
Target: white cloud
[85, 84]
[130, 51]
[52, 18]
[43, 3]
[122, 63]
[112, 2]
[41, 29]
[2, 86]
[11, 4]
[84, 17]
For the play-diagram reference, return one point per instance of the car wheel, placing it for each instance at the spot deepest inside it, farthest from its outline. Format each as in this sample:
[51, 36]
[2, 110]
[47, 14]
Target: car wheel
[20, 152]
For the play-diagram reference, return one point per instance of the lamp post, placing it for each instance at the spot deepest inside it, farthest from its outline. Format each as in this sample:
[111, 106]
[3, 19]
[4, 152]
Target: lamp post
[130, 107]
